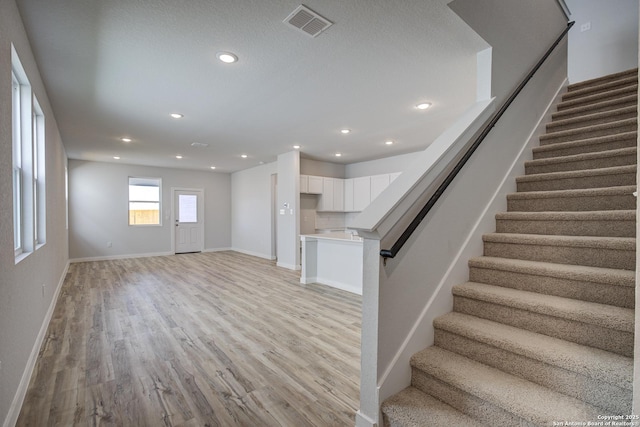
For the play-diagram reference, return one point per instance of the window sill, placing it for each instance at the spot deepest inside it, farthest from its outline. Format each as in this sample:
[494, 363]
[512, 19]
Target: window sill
[22, 256]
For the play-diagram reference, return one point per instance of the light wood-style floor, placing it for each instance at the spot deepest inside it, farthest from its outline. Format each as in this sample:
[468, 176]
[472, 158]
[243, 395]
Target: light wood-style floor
[211, 339]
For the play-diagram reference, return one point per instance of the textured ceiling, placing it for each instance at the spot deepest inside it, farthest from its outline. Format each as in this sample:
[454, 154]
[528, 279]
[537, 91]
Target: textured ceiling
[115, 68]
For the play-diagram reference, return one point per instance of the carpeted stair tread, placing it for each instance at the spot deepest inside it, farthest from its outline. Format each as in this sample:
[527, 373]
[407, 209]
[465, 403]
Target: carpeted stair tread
[614, 223]
[587, 361]
[526, 400]
[611, 104]
[589, 178]
[577, 92]
[610, 276]
[413, 408]
[594, 160]
[593, 118]
[633, 72]
[619, 319]
[618, 243]
[586, 199]
[587, 145]
[619, 126]
[598, 97]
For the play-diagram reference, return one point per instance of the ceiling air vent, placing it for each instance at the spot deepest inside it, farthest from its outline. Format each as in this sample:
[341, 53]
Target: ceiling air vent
[307, 21]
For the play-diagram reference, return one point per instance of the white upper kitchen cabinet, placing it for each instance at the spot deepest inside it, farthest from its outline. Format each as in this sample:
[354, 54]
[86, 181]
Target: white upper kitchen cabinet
[310, 184]
[332, 199]
[325, 203]
[338, 195]
[348, 195]
[315, 185]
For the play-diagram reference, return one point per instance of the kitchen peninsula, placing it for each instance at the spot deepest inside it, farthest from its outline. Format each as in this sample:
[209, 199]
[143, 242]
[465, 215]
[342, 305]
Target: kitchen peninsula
[333, 259]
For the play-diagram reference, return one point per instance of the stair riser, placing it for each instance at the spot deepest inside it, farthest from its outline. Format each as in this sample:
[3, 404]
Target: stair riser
[578, 183]
[595, 163]
[558, 137]
[629, 101]
[623, 141]
[465, 402]
[614, 228]
[589, 203]
[582, 333]
[601, 119]
[594, 257]
[595, 98]
[619, 296]
[599, 393]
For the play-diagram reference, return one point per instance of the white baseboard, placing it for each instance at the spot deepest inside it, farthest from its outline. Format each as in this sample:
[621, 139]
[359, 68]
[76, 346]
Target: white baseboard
[21, 392]
[124, 256]
[364, 421]
[338, 285]
[255, 254]
[217, 249]
[288, 266]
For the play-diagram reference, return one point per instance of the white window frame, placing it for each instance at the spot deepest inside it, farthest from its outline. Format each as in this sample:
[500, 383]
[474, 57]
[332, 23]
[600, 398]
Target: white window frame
[16, 163]
[39, 176]
[149, 182]
[27, 122]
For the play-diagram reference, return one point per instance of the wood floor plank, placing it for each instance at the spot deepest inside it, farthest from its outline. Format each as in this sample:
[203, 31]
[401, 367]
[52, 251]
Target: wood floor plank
[210, 339]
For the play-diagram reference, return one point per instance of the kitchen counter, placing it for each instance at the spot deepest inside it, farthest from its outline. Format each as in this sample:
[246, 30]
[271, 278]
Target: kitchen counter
[333, 259]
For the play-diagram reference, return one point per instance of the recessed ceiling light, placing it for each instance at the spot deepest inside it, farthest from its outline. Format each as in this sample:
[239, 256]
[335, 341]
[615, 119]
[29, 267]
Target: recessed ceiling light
[116, 157]
[338, 154]
[178, 157]
[423, 105]
[345, 131]
[213, 167]
[177, 115]
[125, 139]
[227, 57]
[296, 147]
[244, 156]
[199, 144]
[389, 142]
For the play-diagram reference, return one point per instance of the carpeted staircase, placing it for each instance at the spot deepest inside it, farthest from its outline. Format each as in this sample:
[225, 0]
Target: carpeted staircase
[543, 330]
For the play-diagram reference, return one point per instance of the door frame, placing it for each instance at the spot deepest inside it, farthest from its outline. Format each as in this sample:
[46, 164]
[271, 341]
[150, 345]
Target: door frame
[174, 214]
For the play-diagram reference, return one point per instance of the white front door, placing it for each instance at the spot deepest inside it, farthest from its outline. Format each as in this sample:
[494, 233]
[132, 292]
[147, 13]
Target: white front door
[189, 221]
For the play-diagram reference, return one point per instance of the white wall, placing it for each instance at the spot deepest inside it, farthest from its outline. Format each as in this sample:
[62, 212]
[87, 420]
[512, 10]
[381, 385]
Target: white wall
[289, 204]
[390, 164]
[318, 168]
[251, 210]
[610, 46]
[98, 209]
[25, 307]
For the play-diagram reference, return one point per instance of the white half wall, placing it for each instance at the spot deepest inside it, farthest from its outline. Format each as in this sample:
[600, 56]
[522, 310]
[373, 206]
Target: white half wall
[251, 210]
[610, 45]
[98, 210]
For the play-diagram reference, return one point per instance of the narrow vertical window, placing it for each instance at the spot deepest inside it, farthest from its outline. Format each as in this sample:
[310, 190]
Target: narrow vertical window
[144, 201]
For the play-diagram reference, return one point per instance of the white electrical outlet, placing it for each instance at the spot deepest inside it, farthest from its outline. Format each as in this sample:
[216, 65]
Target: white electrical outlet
[109, 244]
[585, 27]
